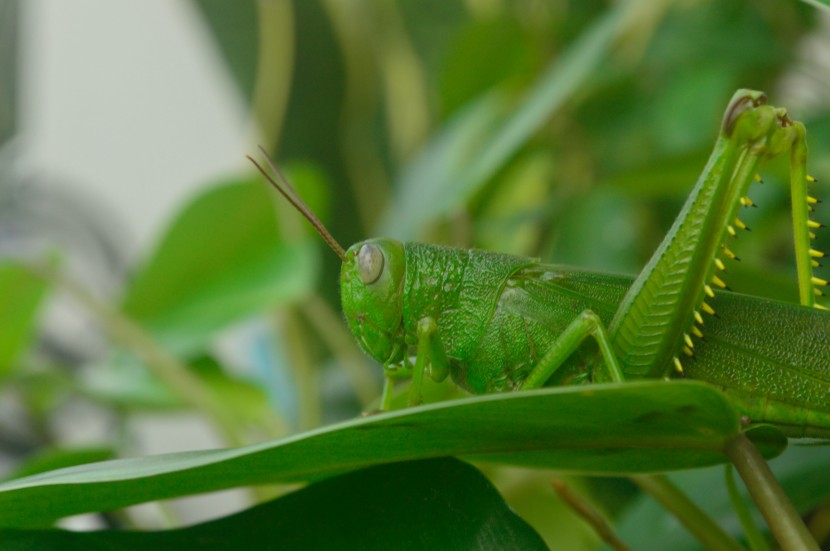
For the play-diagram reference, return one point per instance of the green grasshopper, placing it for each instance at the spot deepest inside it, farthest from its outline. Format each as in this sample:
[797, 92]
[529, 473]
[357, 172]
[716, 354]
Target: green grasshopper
[497, 322]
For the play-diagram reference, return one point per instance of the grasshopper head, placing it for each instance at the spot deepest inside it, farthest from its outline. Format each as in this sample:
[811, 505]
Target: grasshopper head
[371, 292]
[371, 281]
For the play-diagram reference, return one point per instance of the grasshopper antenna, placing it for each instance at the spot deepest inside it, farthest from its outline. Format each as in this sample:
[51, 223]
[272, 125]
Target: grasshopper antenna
[296, 201]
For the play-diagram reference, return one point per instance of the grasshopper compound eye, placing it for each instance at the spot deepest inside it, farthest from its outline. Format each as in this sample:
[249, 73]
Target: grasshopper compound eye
[369, 263]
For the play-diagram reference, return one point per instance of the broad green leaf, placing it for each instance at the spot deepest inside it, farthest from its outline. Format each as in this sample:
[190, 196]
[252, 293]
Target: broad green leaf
[635, 427]
[429, 504]
[222, 259]
[21, 293]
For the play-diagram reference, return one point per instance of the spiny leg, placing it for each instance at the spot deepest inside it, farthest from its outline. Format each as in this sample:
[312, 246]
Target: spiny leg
[587, 324]
[803, 227]
[785, 136]
[661, 313]
[789, 136]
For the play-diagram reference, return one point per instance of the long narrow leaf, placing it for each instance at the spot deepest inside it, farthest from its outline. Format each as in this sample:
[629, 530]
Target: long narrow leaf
[635, 427]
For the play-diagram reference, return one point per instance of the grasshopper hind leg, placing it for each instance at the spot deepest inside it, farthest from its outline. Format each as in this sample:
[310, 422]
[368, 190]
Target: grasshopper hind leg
[790, 137]
[804, 228]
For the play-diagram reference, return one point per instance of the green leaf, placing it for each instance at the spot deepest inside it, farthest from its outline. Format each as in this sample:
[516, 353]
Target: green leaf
[57, 458]
[21, 293]
[222, 259]
[635, 427]
[430, 504]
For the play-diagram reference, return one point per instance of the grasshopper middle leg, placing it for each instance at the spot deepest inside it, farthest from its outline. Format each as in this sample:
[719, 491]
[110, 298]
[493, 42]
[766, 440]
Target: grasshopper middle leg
[587, 324]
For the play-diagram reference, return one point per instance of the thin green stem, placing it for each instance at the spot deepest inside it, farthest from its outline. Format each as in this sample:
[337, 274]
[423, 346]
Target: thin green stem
[783, 520]
[341, 343]
[403, 80]
[352, 26]
[181, 381]
[590, 515]
[753, 535]
[275, 65]
[696, 521]
[305, 372]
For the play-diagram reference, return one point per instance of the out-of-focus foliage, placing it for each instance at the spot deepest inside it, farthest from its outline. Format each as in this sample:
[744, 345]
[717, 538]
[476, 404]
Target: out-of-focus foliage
[20, 294]
[568, 130]
[444, 504]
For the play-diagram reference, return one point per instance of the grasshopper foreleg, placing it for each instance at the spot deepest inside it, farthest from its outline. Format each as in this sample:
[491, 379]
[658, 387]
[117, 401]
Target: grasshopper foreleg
[587, 324]
[431, 359]
[391, 373]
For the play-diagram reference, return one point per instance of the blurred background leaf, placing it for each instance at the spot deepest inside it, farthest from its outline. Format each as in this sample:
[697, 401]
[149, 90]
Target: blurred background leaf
[438, 504]
[21, 293]
[236, 267]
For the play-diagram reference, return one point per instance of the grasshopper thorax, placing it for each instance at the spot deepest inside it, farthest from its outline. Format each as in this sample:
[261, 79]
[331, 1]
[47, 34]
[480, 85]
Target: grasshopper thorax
[371, 291]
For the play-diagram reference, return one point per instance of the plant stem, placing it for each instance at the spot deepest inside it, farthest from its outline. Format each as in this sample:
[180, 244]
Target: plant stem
[186, 386]
[590, 515]
[753, 535]
[783, 520]
[364, 164]
[306, 374]
[275, 64]
[330, 328]
[696, 521]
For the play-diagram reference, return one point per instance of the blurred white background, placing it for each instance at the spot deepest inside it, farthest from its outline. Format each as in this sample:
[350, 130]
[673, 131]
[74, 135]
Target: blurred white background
[132, 130]
[138, 124]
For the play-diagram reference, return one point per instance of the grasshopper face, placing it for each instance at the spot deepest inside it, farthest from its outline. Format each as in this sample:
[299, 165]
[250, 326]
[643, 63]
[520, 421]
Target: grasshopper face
[371, 291]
